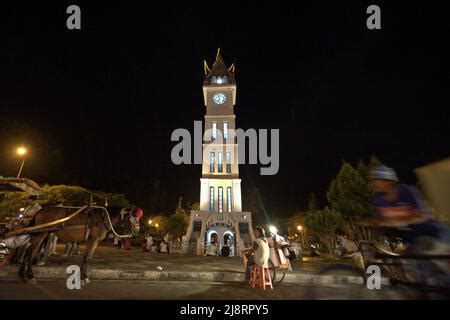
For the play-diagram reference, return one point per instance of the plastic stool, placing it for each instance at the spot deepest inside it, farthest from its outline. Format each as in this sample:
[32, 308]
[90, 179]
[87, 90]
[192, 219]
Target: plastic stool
[258, 277]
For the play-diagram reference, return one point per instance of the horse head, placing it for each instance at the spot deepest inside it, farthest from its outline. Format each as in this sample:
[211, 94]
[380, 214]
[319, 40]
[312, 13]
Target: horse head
[127, 220]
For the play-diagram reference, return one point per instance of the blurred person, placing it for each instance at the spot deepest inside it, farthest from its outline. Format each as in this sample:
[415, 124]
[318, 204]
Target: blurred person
[153, 248]
[225, 251]
[26, 219]
[127, 244]
[163, 247]
[403, 207]
[31, 210]
[116, 243]
[402, 212]
[211, 250]
[149, 242]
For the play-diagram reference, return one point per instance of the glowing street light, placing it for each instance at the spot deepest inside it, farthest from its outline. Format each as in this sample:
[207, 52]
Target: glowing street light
[150, 222]
[21, 151]
[299, 228]
[156, 225]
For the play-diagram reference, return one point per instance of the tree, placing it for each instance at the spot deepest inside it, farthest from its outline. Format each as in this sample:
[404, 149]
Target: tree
[349, 193]
[12, 202]
[322, 225]
[60, 194]
[195, 206]
[312, 202]
[178, 222]
[159, 225]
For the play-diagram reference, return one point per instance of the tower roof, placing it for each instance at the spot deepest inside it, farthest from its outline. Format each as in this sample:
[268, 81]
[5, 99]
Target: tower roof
[219, 70]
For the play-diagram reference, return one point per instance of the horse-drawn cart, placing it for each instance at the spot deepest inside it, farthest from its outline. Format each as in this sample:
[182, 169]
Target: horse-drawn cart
[89, 224]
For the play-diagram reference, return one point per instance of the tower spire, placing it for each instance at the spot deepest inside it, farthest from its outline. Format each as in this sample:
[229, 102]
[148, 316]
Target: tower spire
[218, 70]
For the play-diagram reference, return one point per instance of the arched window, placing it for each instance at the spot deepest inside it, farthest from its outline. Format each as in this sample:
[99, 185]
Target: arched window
[225, 79]
[213, 79]
[219, 80]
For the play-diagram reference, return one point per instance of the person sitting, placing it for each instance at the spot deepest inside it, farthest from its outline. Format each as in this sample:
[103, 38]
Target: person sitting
[153, 248]
[163, 247]
[212, 249]
[30, 211]
[259, 252]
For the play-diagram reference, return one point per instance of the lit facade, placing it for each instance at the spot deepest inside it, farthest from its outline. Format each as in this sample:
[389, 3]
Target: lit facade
[220, 215]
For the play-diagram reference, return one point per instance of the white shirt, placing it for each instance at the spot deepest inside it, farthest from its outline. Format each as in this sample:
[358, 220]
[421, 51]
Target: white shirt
[211, 249]
[262, 252]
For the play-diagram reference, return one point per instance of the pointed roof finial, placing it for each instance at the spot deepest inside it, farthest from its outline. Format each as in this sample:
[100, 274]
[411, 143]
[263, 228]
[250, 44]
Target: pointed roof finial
[218, 54]
[219, 69]
[205, 67]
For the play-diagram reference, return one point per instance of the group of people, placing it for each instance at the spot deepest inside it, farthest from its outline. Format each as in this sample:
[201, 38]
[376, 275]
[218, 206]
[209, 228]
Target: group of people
[153, 245]
[212, 249]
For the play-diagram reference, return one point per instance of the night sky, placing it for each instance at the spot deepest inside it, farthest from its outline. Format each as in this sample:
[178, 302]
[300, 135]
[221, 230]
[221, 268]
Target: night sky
[96, 106]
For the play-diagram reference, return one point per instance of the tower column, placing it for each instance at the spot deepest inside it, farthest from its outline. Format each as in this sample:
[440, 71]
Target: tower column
[237, 199]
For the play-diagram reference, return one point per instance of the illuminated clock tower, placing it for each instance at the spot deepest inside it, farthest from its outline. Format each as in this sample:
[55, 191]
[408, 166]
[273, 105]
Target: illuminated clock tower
[220, 216]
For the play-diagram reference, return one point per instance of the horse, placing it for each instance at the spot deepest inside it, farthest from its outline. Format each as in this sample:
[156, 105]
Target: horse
[91, 226]
[368, 253]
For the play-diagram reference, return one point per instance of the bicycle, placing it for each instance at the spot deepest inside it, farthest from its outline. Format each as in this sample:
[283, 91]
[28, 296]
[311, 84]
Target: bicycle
[401, 269]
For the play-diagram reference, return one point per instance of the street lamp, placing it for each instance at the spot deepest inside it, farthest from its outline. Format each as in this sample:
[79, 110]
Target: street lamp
[21, 151]
[156, 227]
[150, 222]
[300, 229]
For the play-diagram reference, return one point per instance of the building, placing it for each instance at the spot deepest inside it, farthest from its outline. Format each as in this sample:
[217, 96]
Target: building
[220, 216]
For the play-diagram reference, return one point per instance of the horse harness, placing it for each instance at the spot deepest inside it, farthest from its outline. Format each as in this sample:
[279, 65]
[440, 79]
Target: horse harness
[90, 222]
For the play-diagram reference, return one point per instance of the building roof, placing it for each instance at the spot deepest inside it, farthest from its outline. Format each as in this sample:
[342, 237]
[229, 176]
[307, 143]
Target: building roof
[218, 69]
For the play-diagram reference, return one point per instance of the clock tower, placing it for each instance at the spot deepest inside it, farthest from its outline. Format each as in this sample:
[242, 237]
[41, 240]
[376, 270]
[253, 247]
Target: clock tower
[220, 219]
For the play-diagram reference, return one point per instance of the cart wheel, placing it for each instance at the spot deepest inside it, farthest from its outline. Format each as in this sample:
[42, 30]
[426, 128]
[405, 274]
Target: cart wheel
[272, 271]
[282, 274]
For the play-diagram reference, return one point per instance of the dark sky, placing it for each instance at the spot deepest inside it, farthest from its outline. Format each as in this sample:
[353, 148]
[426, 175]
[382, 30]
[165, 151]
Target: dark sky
[96, 107]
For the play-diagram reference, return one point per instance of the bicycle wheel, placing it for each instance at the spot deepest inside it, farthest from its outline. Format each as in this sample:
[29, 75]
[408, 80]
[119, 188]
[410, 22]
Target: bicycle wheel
[272, 271]
[339, 281]
[280, 276]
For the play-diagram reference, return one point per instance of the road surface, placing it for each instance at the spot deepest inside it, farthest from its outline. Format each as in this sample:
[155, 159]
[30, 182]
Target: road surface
[182, 290]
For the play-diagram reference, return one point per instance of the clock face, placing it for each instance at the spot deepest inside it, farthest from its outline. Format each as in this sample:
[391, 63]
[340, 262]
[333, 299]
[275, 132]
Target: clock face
[219, 98]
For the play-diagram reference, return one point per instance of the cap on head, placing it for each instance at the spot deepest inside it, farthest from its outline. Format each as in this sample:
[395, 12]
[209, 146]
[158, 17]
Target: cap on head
[383, 173]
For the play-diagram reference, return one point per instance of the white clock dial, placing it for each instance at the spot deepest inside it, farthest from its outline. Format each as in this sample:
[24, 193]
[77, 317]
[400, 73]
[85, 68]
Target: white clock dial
[219, 98]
